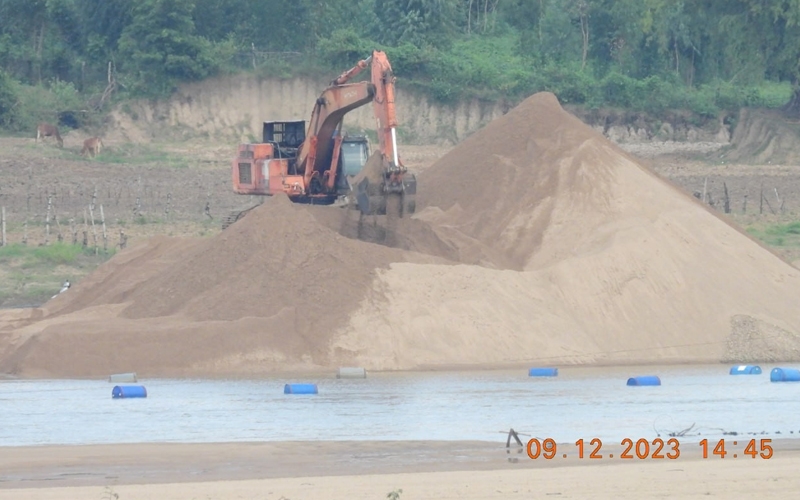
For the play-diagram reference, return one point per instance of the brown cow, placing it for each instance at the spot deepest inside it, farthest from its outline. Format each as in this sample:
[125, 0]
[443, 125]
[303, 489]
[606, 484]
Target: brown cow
[92, 146]
[47, 130]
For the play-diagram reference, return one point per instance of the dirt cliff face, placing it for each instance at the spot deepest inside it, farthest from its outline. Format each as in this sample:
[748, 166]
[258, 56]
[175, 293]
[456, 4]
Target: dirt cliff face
[233, 108]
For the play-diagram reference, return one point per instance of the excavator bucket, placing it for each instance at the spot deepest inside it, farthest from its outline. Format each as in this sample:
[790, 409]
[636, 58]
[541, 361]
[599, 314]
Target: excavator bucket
[378, 193]
[376, 197]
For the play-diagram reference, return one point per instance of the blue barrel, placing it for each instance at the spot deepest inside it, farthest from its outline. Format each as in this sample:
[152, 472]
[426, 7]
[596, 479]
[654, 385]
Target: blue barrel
[300, 389]
[746, 370]
[128, 391]
[646, 380]
[543, 372]
[784, 375]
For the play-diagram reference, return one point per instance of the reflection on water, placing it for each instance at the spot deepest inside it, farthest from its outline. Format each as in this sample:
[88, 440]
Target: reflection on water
[579, 403]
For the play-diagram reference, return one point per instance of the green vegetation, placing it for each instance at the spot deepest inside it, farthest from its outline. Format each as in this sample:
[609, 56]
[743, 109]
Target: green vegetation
[778, 235]
[55, 254]
[133, 154]
[65, 60]
[33, 274]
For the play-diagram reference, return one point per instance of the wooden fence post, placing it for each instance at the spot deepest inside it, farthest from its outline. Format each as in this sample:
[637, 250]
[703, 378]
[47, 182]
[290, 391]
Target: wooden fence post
[94, 231]
[105, 235]
[47, 220]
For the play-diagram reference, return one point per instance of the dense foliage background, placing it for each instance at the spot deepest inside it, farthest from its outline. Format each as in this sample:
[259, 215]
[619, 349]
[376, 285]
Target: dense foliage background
[64, 59]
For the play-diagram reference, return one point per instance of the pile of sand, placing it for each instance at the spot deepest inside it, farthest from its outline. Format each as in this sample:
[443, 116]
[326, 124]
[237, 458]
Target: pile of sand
[274, 286]
[586, 256]
[538, 241]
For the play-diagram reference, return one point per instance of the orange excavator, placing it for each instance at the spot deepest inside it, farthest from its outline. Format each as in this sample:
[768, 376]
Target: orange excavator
[320, 164]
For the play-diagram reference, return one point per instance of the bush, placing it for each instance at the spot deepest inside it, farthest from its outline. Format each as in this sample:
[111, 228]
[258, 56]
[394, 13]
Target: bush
[568, 82]
[408, 60]
[621, 90]
[58, 103]
[343, 49]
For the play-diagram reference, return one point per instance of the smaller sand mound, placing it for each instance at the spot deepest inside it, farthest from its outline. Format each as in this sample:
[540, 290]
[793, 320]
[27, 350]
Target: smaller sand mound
[278, 257]
[271, 288]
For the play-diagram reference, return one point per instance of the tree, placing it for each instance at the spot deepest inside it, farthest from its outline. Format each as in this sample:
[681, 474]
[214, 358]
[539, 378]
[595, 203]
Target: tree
[784, 60]
[419, 22]
[159, 47]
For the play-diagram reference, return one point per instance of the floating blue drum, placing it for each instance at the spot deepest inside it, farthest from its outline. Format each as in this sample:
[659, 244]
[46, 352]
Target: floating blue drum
[543, 372]
[746, 370]
[128, 391]
[300, 389]
[646, 380]
[784, 375]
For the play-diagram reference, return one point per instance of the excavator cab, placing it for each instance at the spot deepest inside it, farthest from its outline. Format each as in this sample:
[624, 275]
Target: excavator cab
[355, 151]
[285, 134]
[352, 158]
[286, 137]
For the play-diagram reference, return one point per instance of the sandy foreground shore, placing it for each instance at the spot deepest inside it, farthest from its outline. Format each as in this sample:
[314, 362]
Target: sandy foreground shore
[370, 470]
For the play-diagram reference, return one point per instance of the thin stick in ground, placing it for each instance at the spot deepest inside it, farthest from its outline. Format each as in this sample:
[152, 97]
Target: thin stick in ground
[94, 231]
[105, 235]
[47, 220]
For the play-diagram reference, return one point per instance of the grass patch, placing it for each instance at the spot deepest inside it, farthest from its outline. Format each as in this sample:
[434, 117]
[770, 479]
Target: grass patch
[141, 154]
[57, 253]
[142, 220]
[30, 275]
[9, 252]
[778, 235]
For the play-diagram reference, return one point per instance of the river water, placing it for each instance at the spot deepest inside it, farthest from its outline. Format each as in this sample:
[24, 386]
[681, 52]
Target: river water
[476, 405]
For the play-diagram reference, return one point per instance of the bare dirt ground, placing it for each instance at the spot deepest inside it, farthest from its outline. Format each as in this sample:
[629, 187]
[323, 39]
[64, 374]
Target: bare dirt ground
[364, 470]
[183, 189]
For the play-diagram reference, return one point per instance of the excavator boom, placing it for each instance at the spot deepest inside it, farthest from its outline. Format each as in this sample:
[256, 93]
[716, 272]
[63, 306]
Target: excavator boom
[385, 187]
[315, 159]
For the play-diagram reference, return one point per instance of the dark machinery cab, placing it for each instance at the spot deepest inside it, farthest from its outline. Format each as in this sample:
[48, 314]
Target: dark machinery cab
[271, 166]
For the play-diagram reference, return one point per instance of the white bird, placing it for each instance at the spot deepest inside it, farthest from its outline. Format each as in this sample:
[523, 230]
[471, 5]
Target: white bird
[64, 288]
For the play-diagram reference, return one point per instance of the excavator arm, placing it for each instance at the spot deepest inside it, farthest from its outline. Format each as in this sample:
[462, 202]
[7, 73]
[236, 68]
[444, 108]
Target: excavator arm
[385, 186]
[318, 156]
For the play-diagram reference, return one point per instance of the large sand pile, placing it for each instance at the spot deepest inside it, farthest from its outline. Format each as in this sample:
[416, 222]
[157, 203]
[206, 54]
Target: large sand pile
[538, 241]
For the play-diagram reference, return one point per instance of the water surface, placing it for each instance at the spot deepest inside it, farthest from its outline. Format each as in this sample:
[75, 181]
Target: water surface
[477, 405]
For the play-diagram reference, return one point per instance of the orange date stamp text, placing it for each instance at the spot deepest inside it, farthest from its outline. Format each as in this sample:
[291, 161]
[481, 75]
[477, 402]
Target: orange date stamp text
[644, 449]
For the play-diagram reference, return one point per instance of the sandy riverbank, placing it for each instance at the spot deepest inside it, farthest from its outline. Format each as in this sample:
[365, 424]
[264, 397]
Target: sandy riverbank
[370, 470]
